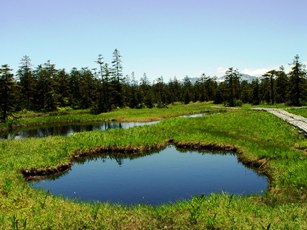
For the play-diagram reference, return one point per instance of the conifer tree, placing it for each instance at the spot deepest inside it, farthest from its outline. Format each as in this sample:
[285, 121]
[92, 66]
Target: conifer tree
[103, 103]
[117, 79]
[255, 92]
[232, 82]
[27, 83]
[187, 90]
[270, 76]
[282, 82]
[74, 88]
[8, 88]
[45, 94]
[297, 76]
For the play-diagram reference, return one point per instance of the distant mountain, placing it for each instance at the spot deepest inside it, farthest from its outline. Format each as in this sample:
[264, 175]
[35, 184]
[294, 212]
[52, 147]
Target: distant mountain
[243, 77]
[194, 79]
[248, 78]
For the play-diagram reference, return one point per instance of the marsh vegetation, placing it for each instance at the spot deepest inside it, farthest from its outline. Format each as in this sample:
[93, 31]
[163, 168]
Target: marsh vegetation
[259, 140]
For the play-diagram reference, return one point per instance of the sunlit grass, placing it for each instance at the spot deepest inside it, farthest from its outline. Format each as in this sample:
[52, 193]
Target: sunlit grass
[257, 136]
[299, 111]
[266, 105]
[122, 115]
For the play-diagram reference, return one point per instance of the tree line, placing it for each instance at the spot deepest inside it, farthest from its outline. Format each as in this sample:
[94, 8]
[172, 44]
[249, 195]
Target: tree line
[46, 88]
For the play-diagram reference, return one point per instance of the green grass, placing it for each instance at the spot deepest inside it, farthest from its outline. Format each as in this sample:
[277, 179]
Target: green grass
[299, 111]
[127, 114]
[259, 137]
[265, 105]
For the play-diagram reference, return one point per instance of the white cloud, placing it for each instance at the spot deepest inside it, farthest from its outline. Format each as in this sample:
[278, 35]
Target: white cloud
[253, 72]
[221, 70]
[257, 72]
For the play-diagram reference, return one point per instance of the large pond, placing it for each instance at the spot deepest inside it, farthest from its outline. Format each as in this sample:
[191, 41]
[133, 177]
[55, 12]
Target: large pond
[68, 129]
[161, 177]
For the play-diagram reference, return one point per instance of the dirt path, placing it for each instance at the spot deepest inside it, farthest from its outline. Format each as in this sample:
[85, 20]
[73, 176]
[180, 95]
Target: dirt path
[295, 120]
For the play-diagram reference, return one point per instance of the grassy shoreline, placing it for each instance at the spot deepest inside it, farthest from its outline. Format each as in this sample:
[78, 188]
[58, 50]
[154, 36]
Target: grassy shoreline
[120, 115]
[257, 138]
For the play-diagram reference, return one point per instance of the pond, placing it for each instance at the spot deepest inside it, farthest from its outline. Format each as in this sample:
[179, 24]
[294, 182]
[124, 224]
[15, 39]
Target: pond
[161, 177]
[68, 129]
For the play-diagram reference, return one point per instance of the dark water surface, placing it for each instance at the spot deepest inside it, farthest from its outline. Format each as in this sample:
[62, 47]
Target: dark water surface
[167, 176]
[68, 129]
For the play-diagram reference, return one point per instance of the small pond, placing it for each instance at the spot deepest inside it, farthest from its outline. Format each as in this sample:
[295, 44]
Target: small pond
[161, 177]
[68, 129]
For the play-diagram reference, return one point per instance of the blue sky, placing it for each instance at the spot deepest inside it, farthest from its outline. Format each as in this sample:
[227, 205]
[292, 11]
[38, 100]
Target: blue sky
[160, 37]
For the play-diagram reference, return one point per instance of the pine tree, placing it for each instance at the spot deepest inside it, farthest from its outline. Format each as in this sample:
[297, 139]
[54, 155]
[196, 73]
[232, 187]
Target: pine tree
[246, 92]
[282, 82]
[74, 88]
[8, 88]
[220, 96]
[187, 90]
[186, 97]
[134, 100]
[45, 93]
[27, 83]
[103, 103]
[255, 100]
[200, 88]
[146, 91]
[211, 86]
[117, 79]
[159, 92]
[174, 88]
[61, 88]
[87, 88]
[296, 82]
[232, 81]
[270, 76]
[264, 89]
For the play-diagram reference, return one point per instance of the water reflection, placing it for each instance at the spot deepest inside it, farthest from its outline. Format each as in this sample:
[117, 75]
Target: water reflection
[66, 130]
[193, 115]
[165, 176]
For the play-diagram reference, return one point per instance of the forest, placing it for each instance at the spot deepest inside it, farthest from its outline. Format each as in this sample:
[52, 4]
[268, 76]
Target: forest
[46, 88]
